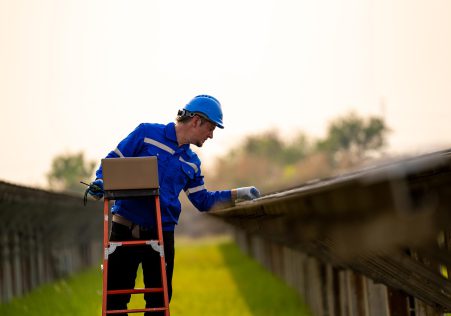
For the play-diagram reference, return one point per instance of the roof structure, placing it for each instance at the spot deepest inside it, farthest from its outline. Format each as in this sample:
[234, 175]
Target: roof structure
[389, 222]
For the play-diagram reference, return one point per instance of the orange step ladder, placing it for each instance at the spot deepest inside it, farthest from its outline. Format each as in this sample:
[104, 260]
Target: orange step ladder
[110, 247]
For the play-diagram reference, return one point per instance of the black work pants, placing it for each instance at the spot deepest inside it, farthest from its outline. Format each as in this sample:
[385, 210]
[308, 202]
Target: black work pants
[123, 265]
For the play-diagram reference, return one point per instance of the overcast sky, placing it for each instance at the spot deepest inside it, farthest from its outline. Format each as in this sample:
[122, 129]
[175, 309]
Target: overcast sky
[79, 75]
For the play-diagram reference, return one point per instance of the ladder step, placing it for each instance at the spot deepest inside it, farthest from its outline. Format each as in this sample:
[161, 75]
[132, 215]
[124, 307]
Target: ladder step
[133, 242]
[119, 311]
[136, 291]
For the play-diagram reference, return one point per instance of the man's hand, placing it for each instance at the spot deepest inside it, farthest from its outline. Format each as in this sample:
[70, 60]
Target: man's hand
[96, 189]
[247, 193]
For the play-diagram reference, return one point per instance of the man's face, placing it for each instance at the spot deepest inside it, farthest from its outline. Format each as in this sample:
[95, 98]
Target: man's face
[203, 129]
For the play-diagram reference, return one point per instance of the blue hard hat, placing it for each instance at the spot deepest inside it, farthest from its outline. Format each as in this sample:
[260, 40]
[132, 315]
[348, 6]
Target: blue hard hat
[208, 106]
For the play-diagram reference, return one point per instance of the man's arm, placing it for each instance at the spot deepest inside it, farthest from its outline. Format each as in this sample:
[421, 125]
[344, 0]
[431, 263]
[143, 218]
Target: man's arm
[205, 200]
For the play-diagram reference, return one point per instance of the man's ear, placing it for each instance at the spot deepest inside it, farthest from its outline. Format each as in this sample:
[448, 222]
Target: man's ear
[196, 121]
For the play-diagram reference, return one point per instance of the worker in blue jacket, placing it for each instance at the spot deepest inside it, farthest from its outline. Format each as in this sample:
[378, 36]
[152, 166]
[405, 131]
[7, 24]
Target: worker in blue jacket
[179, 168]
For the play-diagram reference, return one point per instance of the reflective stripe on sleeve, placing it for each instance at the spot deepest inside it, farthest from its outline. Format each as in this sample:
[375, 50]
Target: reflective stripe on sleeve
[195, 189]
[159, 145]
[118, 152]
[192, 165]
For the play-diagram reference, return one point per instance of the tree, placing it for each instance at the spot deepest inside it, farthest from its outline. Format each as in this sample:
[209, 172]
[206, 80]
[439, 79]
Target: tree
[275, 149]
[68, 170]
[271, 162]
[266, 159]
[351, 138]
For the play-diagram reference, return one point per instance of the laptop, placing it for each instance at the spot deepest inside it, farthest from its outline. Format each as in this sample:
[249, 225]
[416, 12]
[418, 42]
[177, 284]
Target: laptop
[131, 173]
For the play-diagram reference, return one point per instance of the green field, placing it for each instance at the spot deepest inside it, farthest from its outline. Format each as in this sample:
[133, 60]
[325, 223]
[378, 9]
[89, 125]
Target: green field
[212, 277]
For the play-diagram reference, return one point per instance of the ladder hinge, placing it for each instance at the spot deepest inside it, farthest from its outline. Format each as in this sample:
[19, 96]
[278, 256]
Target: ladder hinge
[156, 246]
[109, 250]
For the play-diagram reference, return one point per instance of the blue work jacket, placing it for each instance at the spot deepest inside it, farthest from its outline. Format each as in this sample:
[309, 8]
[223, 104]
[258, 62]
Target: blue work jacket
[178, 169]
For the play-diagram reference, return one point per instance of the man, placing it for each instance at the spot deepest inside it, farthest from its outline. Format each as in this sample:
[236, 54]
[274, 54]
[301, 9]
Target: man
[179, 169]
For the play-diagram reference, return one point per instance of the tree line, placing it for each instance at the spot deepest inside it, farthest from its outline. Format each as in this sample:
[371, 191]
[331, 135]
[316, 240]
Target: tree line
[266, 160]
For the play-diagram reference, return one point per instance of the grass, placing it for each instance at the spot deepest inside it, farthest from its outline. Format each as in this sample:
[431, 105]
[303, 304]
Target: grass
[211, 277]
[78, 295]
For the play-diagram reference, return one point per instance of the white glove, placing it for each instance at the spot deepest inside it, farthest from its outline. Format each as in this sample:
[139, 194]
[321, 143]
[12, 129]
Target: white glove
[247, 193]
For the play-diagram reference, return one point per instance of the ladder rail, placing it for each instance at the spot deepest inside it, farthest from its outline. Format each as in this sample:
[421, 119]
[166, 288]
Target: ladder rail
[106, 246]
[162, 257]
[105, 255]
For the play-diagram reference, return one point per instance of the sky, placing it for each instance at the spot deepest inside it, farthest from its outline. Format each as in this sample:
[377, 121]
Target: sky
[79, 75]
